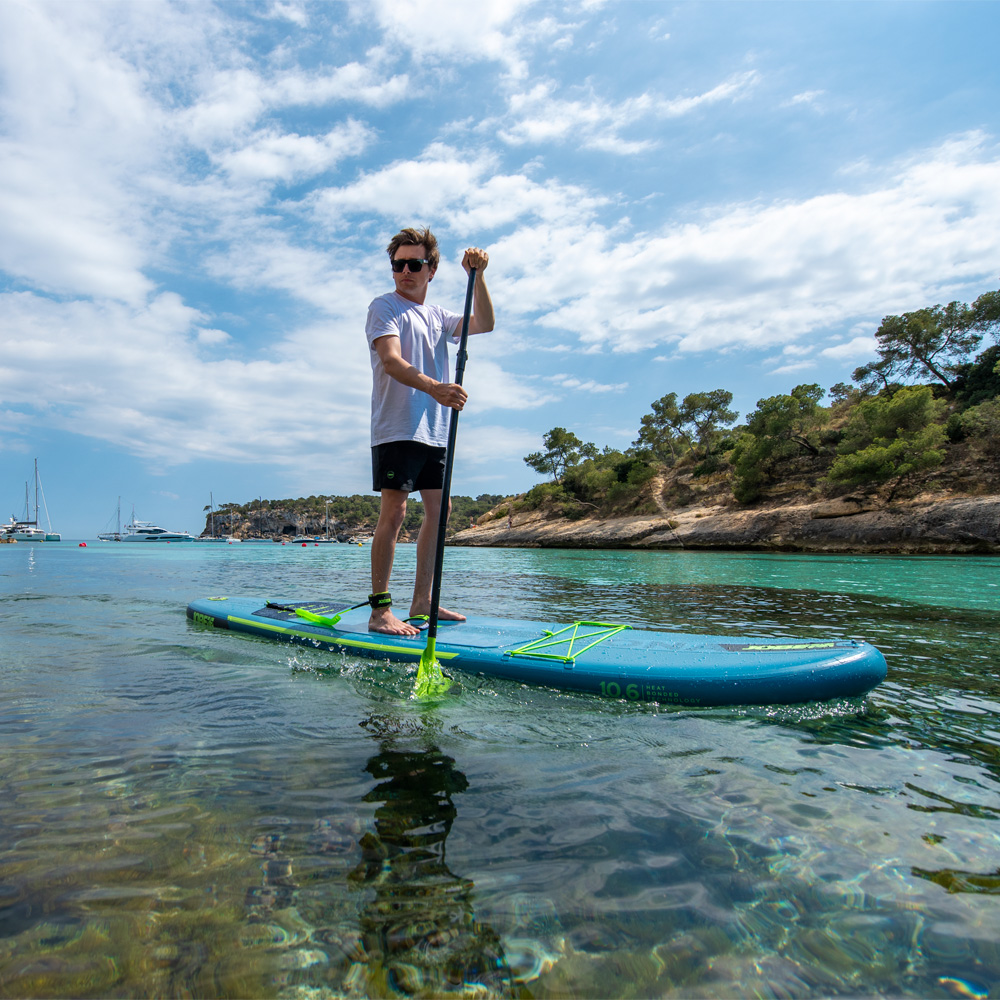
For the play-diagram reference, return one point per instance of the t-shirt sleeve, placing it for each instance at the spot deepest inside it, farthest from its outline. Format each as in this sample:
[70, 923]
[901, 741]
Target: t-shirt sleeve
[451, 322]
[382, 322]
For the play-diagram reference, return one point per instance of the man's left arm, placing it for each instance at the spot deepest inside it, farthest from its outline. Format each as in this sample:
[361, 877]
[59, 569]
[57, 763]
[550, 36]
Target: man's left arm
[482, 319]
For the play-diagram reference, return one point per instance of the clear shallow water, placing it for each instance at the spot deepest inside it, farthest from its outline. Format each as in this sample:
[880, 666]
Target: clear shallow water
[189, 812]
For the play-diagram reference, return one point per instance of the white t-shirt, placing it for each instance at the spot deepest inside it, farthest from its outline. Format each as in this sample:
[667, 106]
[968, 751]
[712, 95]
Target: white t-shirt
[400, 413]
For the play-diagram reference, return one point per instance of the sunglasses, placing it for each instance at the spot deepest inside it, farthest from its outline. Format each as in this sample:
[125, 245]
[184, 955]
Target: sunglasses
[414, 265]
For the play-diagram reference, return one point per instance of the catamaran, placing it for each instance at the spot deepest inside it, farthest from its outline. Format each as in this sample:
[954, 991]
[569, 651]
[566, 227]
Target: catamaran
[25, 529]
[22, 531]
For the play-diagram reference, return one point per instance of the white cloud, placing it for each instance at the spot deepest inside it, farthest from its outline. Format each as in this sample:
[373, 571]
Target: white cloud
[142, 157]
[465, 193]
[232, 99]
[154, 382]
[735, 88]
[369, 83]
[797, 350]
[68, 231]
[759, 274]
[75, 122]
[658, 31]
[289, 11]
[147, 385]
[794, 368]
[272, 155]
[566, 381]
[490, 445]
[454, 30]
[537, 116]
[857, 168]
[809, 98]
[490, 387]
[857, 347]
[213, 338]
[103, 106]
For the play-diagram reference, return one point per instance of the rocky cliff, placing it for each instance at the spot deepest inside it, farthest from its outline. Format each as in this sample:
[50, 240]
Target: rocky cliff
[278, 523]
[923, 524]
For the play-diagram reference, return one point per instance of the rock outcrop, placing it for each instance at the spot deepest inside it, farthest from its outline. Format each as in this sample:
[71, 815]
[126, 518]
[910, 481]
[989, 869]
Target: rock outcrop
[926, 524]
[276, 523]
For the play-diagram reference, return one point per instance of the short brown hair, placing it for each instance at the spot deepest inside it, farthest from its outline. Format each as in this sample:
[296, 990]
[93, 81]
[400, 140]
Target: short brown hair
[415, 238]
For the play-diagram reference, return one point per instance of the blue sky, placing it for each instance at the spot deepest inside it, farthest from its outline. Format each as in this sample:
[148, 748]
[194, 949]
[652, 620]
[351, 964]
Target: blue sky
[195, 200]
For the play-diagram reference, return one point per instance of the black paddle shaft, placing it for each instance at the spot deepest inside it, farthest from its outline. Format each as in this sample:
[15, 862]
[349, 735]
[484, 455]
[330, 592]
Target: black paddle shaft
[432, 621]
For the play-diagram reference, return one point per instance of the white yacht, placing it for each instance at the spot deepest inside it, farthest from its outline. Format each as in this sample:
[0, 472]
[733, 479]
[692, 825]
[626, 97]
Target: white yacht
[143, 531]
[146, 531]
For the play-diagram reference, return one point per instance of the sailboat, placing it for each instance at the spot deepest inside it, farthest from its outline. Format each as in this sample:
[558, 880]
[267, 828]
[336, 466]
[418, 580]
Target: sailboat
[26, 529]
[212, 536]
[116, 535]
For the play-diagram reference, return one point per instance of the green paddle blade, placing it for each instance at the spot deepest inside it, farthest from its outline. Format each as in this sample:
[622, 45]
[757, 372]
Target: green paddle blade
[311, 616]
[431, 679]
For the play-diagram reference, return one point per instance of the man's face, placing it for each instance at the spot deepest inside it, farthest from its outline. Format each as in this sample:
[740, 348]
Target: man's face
[413, 285]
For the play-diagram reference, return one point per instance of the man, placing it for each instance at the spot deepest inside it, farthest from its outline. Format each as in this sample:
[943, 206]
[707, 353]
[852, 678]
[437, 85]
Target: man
[411, 398]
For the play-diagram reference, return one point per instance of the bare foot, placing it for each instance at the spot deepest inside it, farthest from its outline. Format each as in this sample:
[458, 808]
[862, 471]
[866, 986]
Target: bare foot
[444, 615]
[384, 621]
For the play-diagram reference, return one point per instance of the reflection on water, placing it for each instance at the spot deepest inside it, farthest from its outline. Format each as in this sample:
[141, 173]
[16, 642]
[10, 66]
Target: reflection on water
[192, 813]
[418, 927]
[370, 907]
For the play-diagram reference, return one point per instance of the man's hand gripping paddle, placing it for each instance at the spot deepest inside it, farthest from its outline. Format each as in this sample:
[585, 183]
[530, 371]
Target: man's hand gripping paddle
[431, 680]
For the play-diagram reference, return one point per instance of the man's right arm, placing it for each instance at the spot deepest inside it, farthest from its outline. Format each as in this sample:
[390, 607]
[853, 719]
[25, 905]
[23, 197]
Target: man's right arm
[396, 366]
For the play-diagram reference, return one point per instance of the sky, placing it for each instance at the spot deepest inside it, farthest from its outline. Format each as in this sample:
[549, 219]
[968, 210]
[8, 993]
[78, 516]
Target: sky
[195, 201]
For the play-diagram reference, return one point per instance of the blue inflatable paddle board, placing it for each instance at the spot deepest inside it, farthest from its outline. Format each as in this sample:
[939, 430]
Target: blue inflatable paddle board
[612, 660]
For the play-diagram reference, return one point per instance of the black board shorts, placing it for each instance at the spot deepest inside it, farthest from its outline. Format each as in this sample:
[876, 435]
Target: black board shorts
[408, 466]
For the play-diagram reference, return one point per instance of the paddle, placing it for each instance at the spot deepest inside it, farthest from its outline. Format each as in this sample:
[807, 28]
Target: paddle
[431, 681]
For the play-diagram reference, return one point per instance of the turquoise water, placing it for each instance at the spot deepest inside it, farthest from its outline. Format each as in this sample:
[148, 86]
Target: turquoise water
[187, 812]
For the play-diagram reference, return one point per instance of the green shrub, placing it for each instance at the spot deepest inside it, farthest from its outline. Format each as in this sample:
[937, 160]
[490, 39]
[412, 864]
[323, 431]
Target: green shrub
[542, 494]
[979, 380]
[781, 428]
[753, 459]
[981, 425]
[890, 437]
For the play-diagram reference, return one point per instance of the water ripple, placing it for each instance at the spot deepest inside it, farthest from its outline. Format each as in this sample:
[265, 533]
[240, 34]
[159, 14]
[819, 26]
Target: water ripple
[192, 812]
